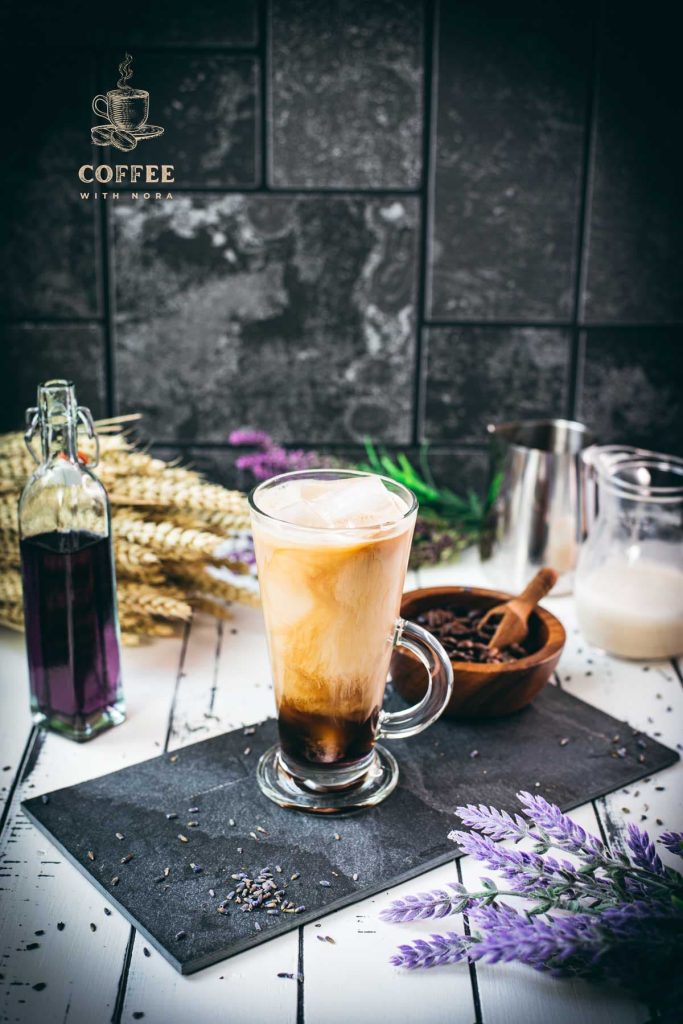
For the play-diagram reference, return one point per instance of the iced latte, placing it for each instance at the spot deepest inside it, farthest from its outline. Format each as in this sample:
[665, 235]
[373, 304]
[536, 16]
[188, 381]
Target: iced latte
[332, 554]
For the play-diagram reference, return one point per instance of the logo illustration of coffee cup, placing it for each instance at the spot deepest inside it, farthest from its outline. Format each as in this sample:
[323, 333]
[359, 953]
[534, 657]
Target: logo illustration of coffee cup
[125, 111]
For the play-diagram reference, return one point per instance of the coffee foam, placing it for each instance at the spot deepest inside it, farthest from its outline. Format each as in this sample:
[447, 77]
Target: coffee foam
[346, 503]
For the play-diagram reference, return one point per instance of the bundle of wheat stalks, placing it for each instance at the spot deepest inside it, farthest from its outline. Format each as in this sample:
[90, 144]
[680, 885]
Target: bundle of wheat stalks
[169, 528]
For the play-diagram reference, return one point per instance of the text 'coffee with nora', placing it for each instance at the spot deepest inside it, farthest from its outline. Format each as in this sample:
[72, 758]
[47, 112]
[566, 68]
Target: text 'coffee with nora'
[125, 112]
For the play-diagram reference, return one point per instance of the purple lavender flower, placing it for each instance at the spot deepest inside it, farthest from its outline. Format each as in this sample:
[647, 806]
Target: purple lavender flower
[275, 460]
[643, 851]
[252, 438]
[436, 903]
[564, 832]
[509, 935]
[633, 915]
[245, 553]
[270, 459]
[525, 871]
[619, 919]
[436, 951]
[673, 842]
[497, 824]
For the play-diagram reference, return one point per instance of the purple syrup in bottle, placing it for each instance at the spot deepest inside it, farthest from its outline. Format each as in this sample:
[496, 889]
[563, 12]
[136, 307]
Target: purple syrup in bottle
[71, 627]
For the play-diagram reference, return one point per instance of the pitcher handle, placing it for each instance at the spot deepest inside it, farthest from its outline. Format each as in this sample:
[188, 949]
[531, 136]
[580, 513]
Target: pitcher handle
[394, 725]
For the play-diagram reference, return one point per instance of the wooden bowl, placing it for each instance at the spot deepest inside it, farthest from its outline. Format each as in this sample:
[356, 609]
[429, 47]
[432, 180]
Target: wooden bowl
[481, 691]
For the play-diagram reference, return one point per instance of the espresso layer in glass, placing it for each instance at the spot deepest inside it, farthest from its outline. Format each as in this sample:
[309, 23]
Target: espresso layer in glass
[331, 582]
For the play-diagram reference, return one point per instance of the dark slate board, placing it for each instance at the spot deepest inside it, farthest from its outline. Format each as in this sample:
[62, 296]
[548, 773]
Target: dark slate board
[384, 845]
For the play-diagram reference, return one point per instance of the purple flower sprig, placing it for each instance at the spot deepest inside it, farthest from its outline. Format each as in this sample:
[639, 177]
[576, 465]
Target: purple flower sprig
[550, 828]
[673, 841]
[600, 915]
[436, 951]
[270, 458]
[433, 904]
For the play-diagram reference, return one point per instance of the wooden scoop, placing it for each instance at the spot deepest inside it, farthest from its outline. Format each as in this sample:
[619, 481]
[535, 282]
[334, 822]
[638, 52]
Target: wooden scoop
[513, 627]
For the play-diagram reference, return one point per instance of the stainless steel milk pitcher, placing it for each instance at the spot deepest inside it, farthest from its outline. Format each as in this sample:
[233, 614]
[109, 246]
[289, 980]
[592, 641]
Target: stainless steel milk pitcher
[536, 517]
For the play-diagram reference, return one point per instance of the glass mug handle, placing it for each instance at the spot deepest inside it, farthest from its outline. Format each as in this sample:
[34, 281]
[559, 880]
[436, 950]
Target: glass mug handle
[102, 113]
[394, 725]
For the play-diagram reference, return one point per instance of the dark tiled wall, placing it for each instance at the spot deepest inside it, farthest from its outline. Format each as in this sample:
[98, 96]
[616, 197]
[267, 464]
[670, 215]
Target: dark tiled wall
[392, 218]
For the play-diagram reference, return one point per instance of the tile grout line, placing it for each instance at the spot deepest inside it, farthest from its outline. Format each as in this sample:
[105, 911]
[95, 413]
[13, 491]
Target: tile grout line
[388, 191]
[263, 101]
[170, 49]
[107, 279]
[591, 325]
[104, 267]
[583, 225]
[225, 446]
[423, 246]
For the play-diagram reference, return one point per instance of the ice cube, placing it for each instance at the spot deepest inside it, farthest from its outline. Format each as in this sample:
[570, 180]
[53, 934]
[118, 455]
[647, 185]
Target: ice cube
[357, 501]
[273, 499]
[302, 513]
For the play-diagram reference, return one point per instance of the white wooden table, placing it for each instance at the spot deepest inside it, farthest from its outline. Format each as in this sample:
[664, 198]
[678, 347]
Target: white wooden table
[214, 679]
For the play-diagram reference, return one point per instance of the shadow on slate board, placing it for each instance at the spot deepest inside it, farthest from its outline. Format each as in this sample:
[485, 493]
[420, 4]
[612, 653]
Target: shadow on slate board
[383, 845]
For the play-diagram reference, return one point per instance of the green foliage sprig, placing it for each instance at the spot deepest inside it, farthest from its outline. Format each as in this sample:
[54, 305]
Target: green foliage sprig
[467, 514]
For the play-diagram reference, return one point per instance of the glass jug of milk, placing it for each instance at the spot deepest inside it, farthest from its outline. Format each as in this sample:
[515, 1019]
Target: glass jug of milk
[629, 579]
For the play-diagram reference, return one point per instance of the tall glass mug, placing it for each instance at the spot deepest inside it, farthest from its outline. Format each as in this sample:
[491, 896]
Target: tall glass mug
[332, 551]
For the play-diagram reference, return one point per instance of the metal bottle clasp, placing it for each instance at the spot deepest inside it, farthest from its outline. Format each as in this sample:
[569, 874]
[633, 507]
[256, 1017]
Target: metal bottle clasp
[32, 421]
[84, 416]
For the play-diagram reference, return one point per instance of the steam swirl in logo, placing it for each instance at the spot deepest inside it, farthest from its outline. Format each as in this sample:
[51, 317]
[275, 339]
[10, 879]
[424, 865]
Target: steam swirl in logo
[125, 70]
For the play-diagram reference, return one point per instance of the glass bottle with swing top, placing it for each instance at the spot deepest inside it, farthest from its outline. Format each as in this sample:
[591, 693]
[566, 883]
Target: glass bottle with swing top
[70, 612]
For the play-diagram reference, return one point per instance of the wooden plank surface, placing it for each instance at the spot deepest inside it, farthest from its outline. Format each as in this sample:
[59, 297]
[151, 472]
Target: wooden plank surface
[78, 967]
[353, 980]
[649, 696]
[15, 719]
[217, 679]
[225, 683]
